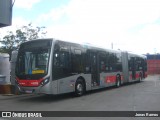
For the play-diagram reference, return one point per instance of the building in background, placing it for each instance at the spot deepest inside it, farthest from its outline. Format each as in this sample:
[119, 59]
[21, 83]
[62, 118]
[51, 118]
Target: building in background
[4, 69]
[5, 13]
[153, 62]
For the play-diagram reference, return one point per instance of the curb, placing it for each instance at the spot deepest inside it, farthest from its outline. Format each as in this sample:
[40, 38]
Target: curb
[13, 96]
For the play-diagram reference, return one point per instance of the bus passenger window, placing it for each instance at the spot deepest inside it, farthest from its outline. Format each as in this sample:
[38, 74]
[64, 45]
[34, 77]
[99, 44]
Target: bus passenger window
[102, 59]
[77, 61]
[61, 59]
[64, 56]
[112, 60]
[102, 66]
[61, 67]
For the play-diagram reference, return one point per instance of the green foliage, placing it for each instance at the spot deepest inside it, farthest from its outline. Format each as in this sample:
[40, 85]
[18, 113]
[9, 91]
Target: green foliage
[12, 40]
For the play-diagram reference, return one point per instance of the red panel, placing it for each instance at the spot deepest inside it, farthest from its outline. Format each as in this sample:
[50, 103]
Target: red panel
[137, 75]
[29, 83]
[153, 61]
[110, 79]
[153, 66]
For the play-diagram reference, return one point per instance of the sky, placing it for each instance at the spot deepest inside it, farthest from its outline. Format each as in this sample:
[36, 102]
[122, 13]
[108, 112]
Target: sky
[131, 25]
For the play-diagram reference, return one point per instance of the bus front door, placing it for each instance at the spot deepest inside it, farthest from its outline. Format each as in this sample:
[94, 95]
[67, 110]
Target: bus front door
[95, 76]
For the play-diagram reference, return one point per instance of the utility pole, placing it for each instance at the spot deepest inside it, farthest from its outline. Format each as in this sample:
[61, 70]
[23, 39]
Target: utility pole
[112, 45]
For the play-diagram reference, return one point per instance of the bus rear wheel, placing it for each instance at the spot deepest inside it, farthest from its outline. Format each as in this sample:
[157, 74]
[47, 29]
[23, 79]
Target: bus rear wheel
[79, 88]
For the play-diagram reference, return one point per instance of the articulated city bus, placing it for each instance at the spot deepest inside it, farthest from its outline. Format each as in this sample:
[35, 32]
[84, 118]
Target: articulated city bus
[54, 67]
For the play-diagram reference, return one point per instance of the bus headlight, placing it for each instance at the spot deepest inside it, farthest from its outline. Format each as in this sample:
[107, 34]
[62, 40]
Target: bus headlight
[45, 81]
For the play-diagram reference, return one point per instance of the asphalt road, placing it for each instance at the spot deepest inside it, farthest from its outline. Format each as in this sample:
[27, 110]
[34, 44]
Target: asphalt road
[144, 96]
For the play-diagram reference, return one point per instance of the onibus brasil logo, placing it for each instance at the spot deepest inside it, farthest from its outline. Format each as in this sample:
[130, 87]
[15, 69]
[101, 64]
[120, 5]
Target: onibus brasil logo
[21, 114]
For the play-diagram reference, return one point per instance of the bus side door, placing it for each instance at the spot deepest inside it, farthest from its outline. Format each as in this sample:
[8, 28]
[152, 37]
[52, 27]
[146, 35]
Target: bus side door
[133, 67]
[95, 76]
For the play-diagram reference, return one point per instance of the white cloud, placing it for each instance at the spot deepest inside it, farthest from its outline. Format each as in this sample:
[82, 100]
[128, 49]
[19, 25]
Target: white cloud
[103, 22]
[27, 4]
[115, 13]
[19, 21]
[54, 15]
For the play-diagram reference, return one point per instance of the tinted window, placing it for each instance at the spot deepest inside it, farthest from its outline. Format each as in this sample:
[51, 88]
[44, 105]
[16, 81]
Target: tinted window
[118, 62]
[77, 61]
[102, 61]
[61, 59]
[33, 59]
[112, 62]
[61, 62]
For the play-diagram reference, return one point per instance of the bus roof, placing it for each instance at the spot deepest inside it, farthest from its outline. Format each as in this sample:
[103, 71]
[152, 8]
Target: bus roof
[89, 46]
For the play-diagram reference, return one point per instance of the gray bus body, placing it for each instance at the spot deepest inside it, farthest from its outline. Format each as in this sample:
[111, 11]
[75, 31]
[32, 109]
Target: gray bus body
[54, 67]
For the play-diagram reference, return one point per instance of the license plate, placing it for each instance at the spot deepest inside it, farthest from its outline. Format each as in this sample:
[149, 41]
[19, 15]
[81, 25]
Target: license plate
[29, 91]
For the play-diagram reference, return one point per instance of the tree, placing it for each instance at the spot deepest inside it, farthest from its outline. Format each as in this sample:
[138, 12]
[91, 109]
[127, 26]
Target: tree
[12, 40]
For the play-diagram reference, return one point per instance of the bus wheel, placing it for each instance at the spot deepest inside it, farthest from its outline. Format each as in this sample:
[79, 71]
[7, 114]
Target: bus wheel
[79, 88]
[118, 82]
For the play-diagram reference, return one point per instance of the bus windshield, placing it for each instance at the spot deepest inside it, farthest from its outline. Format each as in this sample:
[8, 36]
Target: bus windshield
[33, 59]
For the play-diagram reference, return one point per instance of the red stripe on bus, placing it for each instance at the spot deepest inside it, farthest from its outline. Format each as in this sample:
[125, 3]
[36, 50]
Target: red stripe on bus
[137, 75]
[110, 79]
[29, 83]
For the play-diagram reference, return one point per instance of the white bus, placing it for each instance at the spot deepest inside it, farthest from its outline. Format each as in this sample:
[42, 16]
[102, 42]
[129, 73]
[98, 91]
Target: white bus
[54, 67]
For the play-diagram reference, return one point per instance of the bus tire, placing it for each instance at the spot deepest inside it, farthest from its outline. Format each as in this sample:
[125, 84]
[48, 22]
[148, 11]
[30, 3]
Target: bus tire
[79, 88]
[118, 81]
